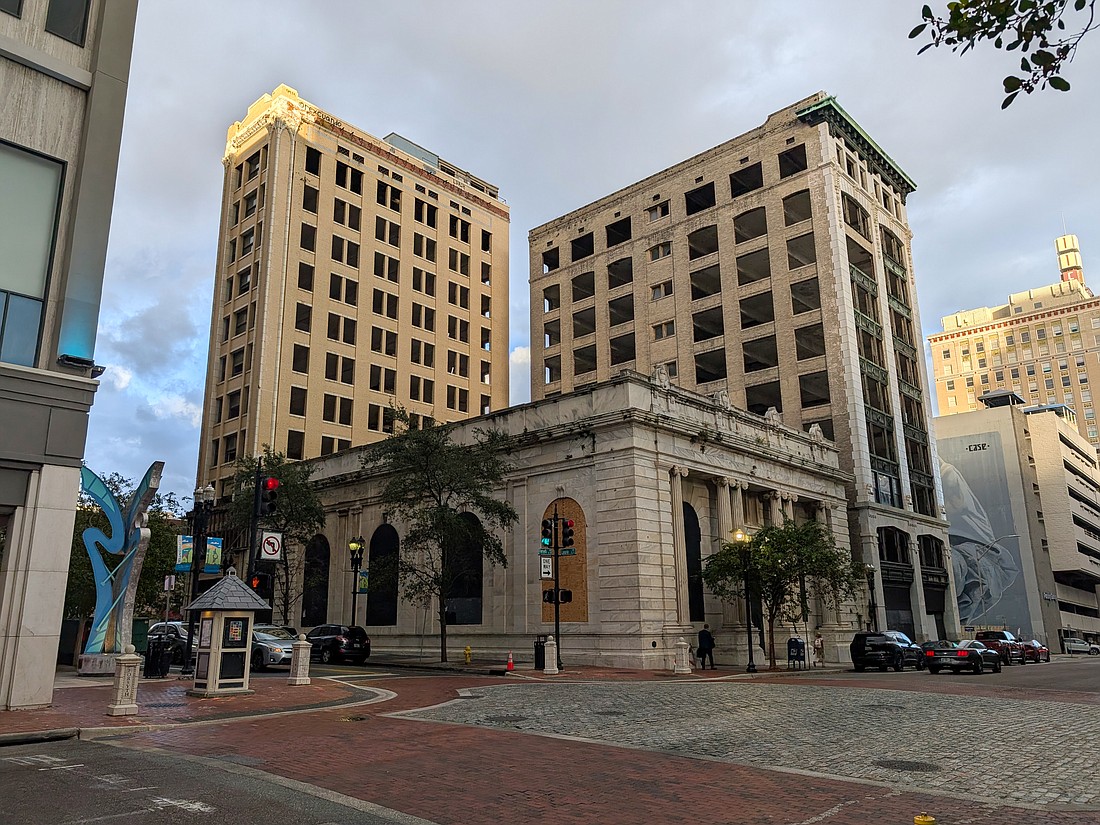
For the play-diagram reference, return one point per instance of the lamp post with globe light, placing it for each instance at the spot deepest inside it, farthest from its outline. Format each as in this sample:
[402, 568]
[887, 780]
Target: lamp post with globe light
[355, 547]
[743, 540]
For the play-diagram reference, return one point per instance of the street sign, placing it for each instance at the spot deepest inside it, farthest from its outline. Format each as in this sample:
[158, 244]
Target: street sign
[547, 568]
[545, 551]
[568, 551]
[271, 546]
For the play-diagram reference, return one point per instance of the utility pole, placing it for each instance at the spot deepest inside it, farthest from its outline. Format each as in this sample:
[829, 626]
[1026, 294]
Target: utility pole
[557, 589]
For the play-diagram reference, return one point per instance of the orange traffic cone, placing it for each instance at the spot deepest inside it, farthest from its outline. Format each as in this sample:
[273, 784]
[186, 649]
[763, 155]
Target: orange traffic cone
[511, 664]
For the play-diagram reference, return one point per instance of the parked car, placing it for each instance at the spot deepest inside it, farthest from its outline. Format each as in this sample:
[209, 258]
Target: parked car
[889, 648]
[959, 656]
[175, 634]
[1010, 648]
[334, 642]
[1036, 651]
[271, 645]
[1074, 645]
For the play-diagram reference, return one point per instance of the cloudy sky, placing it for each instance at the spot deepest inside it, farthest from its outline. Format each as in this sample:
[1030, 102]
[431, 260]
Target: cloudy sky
[560, 102]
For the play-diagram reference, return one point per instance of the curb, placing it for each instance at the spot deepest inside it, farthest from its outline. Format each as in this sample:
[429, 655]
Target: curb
[33, 737]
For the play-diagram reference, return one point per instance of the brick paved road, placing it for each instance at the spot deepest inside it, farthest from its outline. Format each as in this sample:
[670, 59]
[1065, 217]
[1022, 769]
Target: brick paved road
[473, 774]
[914, 740]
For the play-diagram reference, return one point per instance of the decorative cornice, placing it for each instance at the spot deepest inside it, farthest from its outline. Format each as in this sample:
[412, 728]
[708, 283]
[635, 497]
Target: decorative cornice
[842, 125]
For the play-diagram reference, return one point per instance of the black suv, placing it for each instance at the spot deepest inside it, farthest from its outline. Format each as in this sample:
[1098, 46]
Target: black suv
[332, 642]
[888, 648]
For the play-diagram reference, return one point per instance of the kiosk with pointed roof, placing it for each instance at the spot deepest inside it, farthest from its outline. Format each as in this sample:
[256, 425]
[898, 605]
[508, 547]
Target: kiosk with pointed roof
[224, 650]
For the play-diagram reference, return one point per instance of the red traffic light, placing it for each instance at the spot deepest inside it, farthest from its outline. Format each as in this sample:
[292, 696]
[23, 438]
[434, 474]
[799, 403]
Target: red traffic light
[568, 522]
[271, 483]
[255, 582]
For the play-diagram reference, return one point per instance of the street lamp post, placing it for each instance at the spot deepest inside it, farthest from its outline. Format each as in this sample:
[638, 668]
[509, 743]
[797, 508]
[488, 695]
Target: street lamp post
[200, 520]
[355, 547]
[872, 609]
[978, 569]
[742, 539]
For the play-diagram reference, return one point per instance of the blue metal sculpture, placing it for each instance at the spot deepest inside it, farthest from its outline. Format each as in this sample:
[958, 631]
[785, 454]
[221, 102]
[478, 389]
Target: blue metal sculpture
[116, 589]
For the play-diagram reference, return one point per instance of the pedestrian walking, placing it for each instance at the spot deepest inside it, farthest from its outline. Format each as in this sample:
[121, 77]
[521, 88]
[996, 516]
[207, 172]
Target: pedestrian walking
[706, 647]
[819, 650]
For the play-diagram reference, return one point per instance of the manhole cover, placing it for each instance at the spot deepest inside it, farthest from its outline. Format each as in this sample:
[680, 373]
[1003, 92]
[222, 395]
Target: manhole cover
[506, 720]
[355, 719]
[907, 765]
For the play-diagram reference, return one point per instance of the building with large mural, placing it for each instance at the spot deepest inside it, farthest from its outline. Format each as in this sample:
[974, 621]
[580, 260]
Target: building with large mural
[654, 476]
[1022, 491]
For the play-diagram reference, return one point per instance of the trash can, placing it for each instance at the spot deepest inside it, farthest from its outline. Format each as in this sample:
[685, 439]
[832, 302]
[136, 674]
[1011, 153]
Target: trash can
[540, 652]
[158, 658]
[796, 653]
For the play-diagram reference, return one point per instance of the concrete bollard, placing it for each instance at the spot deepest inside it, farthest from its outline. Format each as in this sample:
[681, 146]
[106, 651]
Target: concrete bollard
[551, 668]
[124, 702]
[299, 661]
[681, 667]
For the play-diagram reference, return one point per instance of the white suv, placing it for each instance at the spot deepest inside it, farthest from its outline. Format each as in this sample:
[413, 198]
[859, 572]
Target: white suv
[1081, 646]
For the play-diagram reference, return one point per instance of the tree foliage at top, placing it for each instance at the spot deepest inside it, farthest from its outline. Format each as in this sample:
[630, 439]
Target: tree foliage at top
[299, 515]
[782, 565]
[160, 557]
[1036, 28]
[433, 485]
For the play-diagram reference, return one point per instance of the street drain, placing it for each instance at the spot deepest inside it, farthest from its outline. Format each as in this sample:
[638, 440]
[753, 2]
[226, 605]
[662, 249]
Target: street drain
[505, 720]
[355, 719]
[907, 765]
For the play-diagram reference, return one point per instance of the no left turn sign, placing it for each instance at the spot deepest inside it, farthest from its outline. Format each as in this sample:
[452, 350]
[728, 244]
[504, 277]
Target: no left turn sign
[271, 546]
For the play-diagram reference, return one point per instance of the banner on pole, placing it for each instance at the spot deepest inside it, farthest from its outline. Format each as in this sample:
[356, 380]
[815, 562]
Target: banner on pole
[184, 554]
[213, 562]
[362, 585]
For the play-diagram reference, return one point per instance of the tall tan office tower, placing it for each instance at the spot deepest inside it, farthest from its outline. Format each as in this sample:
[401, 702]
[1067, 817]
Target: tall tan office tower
[1042, 345]
[353, 274]
[774, 271]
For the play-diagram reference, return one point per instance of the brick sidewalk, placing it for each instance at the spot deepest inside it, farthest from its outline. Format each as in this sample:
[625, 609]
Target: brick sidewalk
[165, 702]
[457, 774]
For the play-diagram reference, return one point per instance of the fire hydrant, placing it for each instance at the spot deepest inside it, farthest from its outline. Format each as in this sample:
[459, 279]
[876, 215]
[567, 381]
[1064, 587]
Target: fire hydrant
[468, 653]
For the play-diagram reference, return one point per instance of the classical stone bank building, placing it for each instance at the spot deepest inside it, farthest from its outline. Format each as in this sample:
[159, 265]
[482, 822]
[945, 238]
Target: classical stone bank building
[655, 477]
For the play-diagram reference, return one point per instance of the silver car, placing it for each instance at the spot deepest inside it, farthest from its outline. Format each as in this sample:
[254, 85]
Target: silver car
[271, 646]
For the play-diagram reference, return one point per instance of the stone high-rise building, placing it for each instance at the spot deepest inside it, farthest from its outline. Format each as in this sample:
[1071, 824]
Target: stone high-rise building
[64, 71]
[353, 274]
[1042, 345]
[772, 271]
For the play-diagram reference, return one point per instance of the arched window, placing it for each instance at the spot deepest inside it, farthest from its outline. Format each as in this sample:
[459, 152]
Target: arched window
[465, 565]
[693, 541]
[315, 586]
[382, 566]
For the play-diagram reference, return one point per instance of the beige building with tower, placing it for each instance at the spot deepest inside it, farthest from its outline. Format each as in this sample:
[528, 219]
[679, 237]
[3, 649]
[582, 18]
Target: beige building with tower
[353, 274]
[1044, 345]
[772, 272]
[64, 72]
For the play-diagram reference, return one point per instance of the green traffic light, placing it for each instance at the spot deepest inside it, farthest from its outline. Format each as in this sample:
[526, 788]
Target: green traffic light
[546, 542]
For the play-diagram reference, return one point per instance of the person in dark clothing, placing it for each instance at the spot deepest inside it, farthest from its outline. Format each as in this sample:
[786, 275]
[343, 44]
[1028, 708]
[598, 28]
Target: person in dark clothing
[705, 647]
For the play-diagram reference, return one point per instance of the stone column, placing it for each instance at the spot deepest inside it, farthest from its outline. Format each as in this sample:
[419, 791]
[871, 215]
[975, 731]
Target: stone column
[787, 501]
[738, 506]
[679, 543]
[775, 509]
[299, 661]
[725, 519]
[124, 700]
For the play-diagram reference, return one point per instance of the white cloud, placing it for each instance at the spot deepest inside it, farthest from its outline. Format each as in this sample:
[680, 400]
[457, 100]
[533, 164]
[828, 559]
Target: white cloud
[118, 377]
[175, 406]
[519, 375]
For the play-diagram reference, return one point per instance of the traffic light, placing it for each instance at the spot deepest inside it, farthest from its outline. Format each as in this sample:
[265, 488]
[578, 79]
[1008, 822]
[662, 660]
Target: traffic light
[269, 496]
[547, 532]
[261, 584]
[567, 532]
[563, 596]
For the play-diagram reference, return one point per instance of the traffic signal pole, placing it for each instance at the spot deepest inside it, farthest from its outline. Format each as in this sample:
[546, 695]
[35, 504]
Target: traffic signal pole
[557, 589]
[253, 523]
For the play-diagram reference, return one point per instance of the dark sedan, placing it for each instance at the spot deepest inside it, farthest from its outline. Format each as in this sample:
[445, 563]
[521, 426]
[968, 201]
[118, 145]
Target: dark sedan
[886, 649]
[960, 656]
